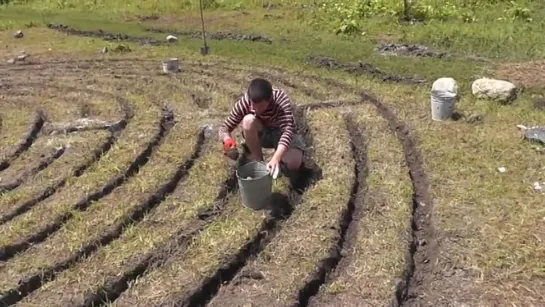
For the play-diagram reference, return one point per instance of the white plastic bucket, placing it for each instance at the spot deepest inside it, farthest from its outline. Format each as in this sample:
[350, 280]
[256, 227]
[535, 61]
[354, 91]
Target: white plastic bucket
[171, 65]
[255, 185]
[443, 98]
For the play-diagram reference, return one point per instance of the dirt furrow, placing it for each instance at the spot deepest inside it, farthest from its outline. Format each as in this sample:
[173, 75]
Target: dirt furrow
[40, 188]
[346, 220]
[26, 141]
[14, 123]
[24, 237]
[43, 146]
[106, 36]
[309, 175]
[376, 238]
[213, 35]
[422, 249]
[275, 276]
[41, 165]
[243, 234]
[177, 243]
[185, 271]
[105, 225]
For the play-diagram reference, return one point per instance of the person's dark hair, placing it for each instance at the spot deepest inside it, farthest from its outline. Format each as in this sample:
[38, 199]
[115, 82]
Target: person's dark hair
[260, 90]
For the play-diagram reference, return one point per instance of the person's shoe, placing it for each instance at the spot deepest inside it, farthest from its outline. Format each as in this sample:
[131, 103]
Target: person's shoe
[299, 177]
[245, 148]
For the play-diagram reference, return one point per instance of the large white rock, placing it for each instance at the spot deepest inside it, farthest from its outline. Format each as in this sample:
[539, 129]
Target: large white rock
[494, 89]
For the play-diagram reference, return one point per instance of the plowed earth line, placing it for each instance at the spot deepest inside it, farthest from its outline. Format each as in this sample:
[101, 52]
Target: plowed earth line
[34, 282]
[50, 190]
[44, 162]
[8, 251]
[26, 141]
[421, 226]
[148, 244]
[269, 277]
[420, 257]
[178, 243]
[267, 231]
[355, 203]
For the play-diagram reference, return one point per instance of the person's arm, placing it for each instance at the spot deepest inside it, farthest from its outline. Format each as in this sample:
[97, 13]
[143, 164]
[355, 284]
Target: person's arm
[287, 125]
[233, 120]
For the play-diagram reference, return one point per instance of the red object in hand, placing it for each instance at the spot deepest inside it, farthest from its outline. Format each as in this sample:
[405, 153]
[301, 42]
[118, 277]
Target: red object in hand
[228, 144]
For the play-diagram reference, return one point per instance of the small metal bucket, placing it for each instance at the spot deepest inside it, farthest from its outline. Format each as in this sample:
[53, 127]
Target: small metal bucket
[255, 185]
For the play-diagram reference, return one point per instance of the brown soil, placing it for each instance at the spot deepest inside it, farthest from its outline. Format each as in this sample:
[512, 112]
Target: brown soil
[419, 257]
[106, 36]
[410, 50]
[526, 75]
[422, 249]
[26, 141]
[215, 35]
[361, 68]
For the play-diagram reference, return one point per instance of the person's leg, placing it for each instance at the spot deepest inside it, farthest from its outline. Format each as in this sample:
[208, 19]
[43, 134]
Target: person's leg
[293, 158]
[251, 126]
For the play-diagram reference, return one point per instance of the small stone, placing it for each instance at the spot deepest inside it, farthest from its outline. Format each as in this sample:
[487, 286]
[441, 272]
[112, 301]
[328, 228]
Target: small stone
[104, 50]
[422, 242]
[474, 118]
[172, 39]
[11, 61]
[18, 34]
[500, 90]
[22, 57]
[502, 169]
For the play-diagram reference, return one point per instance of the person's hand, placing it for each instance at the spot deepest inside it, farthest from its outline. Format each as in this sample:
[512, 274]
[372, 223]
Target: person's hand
[228, 143]
[274, 167]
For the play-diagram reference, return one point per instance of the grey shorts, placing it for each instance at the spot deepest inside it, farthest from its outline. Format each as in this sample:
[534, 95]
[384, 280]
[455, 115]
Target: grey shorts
[270, 136]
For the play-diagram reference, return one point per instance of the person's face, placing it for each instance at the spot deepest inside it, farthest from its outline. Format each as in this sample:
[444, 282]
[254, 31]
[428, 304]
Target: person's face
[260, 106]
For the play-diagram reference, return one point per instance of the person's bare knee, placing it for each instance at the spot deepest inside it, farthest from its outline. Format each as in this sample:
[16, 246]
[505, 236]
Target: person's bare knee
[293, 158]
[251, 127]
[250, 124]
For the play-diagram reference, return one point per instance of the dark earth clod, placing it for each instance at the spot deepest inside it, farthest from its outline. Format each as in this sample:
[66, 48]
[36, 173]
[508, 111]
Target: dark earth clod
[361, 68]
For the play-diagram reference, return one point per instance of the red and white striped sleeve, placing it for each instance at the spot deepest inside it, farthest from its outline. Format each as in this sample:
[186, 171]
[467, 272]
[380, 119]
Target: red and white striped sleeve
[239, 110]
[285, 118]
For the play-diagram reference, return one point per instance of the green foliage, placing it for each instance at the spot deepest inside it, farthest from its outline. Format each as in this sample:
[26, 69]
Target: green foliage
[347, 17]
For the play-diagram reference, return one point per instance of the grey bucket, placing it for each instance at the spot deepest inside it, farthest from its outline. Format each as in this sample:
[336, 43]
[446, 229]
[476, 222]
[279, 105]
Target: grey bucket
[255, 185]
[443, 98]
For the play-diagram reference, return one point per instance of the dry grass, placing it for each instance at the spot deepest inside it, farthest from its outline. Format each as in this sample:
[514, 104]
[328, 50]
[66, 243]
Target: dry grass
[306, 238]
[106, 213]
[104, 216]
[78, 154]
[375, 258]
[490, 224]
[15, 123]
[41, 148]
[206, 254]
[112, 164]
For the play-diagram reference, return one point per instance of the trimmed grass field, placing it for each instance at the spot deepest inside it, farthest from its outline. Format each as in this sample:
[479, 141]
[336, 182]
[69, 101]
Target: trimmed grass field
[114, 190]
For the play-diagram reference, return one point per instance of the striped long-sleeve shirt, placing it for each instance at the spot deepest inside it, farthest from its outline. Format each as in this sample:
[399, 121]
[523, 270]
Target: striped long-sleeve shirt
[279, 114]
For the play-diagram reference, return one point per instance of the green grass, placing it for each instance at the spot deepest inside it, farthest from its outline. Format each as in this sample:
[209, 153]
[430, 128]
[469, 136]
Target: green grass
[489, 224]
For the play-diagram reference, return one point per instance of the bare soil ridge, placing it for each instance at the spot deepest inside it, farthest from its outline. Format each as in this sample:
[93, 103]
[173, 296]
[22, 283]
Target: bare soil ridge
[422, 246]
[347, 220]
[26, 141]
[214, 35]
[42, 164]
[8, 251]
[269, 227]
